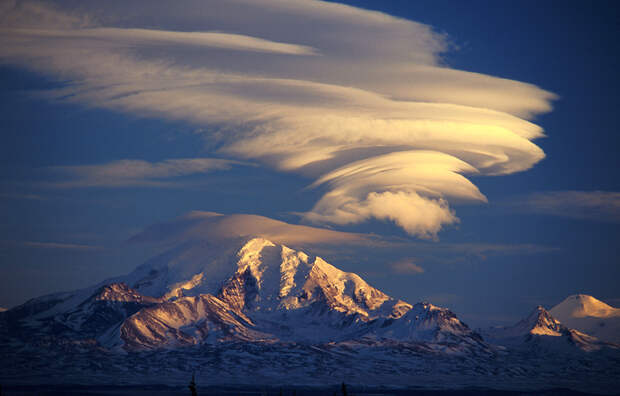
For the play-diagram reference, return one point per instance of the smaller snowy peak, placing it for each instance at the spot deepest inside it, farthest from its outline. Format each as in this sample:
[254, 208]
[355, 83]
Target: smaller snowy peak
[438, 316]
[120, 292]
[106, 308]
[583, 305]
[539, 322]
[344, 290]
[541, 331]
[399, 309]
[591, 316]
[425, 322]
[427, 316]
[186, 321]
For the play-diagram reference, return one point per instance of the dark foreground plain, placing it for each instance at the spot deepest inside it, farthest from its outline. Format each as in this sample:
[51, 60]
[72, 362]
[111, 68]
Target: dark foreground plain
[163, 390]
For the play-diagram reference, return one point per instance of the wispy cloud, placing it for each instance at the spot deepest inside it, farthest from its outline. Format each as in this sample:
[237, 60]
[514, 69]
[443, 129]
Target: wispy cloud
[406, 266]
[603, 206]
[443, 299]
[48, 245]
[442, 253]
[131, 173]
[18, 196]
[364, 104]
[145, 37]
[483, 250]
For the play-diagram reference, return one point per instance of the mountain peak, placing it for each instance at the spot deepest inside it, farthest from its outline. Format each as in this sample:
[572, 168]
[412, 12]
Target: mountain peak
[122, 293]
[254, 301]
[541, 322]
[276, 277]
[591, 316]
[540, 329]
[583, 305]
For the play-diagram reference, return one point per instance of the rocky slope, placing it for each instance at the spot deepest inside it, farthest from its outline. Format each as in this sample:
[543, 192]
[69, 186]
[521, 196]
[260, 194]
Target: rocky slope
[267, 293]
[247, 309]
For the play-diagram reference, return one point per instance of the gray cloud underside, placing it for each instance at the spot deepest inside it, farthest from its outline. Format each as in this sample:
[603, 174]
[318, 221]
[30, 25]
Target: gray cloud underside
[48, 245]
[603, 206]
[127, 173]
[362, 104]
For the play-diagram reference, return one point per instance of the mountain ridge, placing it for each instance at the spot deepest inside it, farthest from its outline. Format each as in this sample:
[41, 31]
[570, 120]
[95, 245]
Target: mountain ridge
[236, 308]
[268, 292]
[541, 329]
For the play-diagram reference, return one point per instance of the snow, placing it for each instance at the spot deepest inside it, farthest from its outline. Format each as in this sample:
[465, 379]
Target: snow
[251, 307]
[582, 305]
[591, 316]
[179, 289]
[291, 260]
[543, 332]
[539, 322]
[249, 289]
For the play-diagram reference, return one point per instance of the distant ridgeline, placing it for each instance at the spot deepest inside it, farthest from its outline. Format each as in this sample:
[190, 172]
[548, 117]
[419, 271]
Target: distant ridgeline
[247, 310]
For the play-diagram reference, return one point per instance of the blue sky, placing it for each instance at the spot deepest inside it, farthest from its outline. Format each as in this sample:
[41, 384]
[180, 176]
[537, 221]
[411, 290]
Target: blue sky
[92, 156]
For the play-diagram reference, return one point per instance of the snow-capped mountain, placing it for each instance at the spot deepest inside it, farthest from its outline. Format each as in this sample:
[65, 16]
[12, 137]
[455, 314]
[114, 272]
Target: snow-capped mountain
[265, 293]
[541, 330]
[538, 322]
[238, 308]
[589, 315]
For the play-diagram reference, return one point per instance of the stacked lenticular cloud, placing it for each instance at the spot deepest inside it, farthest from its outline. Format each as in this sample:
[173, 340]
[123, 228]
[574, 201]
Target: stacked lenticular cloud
[356, 100]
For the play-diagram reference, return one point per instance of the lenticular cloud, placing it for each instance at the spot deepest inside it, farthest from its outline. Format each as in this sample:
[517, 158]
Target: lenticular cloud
[355, 99]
